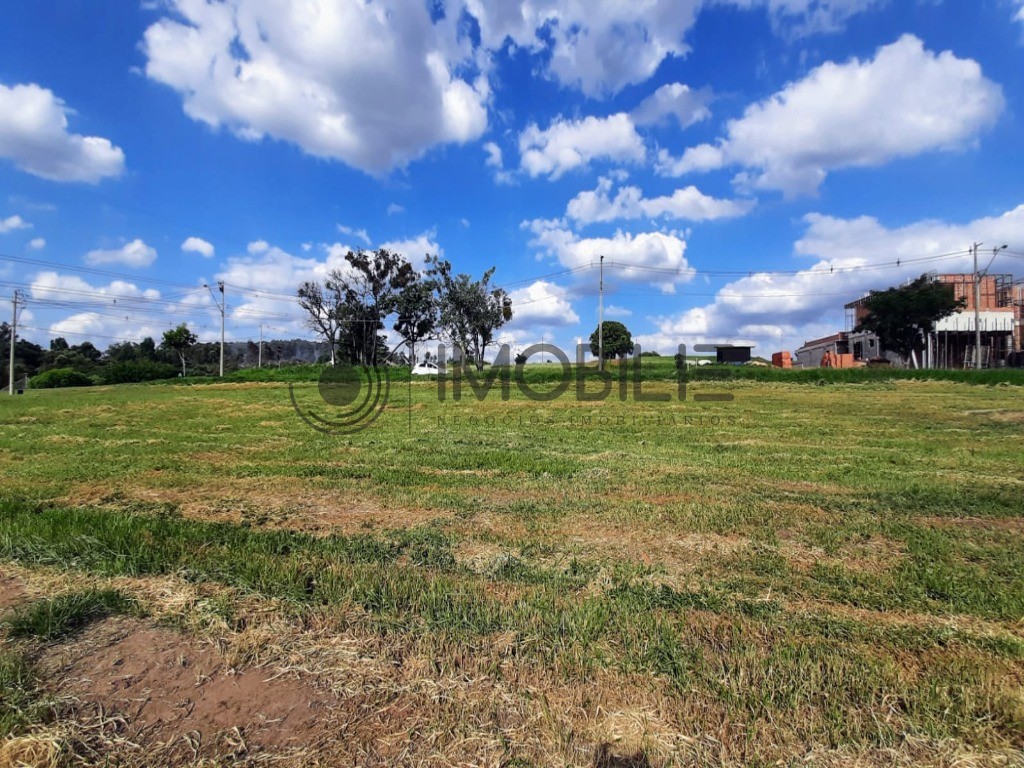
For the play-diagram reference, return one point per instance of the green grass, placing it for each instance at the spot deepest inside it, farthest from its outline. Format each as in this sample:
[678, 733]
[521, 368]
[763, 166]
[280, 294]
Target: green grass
[22, 704]
[60, 617]
[838, 565]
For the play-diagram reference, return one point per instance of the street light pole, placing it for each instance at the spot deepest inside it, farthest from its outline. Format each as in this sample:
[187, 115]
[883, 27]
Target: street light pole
[222, 306]
[600, 318]
[977, 309]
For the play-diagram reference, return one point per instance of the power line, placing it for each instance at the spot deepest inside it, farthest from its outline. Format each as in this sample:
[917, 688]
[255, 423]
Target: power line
[91, 271]
[99, 299]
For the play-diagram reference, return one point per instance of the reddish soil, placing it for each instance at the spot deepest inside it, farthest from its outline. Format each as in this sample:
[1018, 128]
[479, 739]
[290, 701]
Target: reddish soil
[12, 592]
[181, 700]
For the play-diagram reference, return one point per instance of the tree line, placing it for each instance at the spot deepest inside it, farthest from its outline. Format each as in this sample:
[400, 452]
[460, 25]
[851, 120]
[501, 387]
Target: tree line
[348, 311]
[127, 362]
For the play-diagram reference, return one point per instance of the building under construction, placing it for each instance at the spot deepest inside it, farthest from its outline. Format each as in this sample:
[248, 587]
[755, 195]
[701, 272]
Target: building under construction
[952, 342]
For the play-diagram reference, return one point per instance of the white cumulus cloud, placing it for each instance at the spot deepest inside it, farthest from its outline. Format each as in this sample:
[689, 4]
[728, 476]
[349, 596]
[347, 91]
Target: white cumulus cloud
[784, 310]
[34, 135]
[629, 203]
[374, 85]
[37, 243]
[417, 248]
[569, 144]
[903, 102]
[656, 258]
[676, 100]
[133, 254]
[541, 304]
[11, 223]
[600, 46]
[269, 278]
[198, 245]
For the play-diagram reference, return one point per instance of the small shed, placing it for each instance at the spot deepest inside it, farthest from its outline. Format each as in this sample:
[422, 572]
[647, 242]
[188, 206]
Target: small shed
[732, 353]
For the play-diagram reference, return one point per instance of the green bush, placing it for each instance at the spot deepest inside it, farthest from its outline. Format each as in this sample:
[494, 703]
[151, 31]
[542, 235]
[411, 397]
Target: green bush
[60, 377]
[136, 371]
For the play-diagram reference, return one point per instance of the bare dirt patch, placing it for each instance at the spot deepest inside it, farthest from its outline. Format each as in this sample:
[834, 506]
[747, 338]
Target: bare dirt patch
[171, 695]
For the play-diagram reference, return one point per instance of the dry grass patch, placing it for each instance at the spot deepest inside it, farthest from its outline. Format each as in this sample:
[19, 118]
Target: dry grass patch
[675, 551]
[276, 503]
[1011, 525]
[871, 555]
[44, 749]
[974, 625]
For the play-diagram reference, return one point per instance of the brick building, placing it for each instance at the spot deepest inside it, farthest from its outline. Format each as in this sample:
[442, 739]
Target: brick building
[951, 345]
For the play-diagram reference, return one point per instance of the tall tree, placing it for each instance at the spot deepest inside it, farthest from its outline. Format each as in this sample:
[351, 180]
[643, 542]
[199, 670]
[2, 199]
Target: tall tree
[350, 307]
[147, 349]
[373, 283]
[470, 310]
[180, 340]
[902, 317]
[324, 306]
[417, 314]
[615, 338]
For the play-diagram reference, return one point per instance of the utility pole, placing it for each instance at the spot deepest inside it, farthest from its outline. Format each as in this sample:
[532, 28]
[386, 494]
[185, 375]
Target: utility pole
[223, 301]
[600, 318]
[259, 358]
[221, 306]
[14, 337]
[977, 309]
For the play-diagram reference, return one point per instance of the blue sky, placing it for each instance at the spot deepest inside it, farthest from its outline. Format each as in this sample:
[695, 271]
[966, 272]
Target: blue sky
[745, 166]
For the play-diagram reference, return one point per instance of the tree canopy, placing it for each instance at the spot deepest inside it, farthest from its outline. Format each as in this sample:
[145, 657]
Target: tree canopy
[470, 310]
[180, 340]
[418, 314]
[617, 340]
[901, 317]
[349, 308]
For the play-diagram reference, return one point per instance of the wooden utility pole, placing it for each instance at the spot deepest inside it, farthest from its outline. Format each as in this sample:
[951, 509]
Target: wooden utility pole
[14, 337]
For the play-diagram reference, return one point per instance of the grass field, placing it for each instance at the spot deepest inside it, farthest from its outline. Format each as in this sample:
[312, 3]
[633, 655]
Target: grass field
[826, 575]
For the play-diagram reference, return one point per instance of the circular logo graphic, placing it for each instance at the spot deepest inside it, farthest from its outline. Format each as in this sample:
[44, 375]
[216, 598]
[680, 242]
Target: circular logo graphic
[352, 396]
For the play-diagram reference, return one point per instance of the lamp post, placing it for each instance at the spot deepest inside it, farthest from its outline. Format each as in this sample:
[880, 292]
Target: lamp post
[600, 319]
[977, 299]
